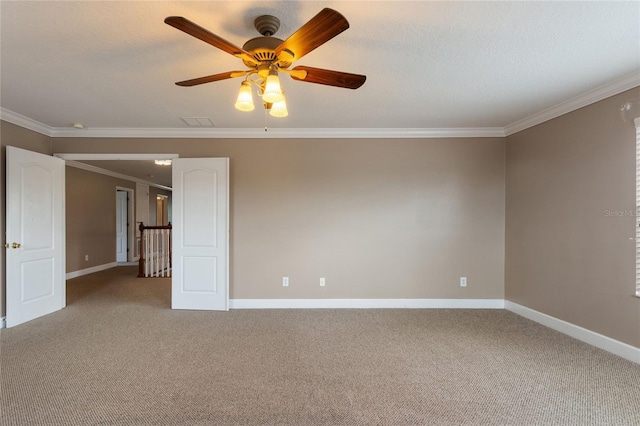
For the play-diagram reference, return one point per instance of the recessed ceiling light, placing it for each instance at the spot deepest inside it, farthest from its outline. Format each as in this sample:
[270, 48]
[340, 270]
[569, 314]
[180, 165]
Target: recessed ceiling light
[163, 162]
[78, 126]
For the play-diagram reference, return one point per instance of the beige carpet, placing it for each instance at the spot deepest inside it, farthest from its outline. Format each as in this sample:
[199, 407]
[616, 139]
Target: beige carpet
[117, 355]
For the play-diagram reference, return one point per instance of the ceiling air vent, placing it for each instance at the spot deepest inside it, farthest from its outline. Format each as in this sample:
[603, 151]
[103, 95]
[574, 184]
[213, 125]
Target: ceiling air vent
[197, 121]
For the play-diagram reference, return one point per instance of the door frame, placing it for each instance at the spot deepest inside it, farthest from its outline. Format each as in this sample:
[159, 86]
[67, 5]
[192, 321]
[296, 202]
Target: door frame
[131, 228]
[142, 216]
[71, 159]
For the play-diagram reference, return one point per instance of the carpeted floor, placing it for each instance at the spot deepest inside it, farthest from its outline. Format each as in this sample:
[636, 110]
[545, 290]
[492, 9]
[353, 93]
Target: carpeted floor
[117, 355]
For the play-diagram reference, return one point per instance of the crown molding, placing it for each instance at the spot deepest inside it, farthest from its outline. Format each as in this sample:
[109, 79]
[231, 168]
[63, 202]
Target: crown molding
[94, 169]
[113, 156]
[279, 133]
[617, 86]
[258, 133]
[592, 96]
[26, 122]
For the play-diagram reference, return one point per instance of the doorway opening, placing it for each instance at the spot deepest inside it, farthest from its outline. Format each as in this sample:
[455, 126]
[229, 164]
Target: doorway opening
[162, 210]
[202, 214]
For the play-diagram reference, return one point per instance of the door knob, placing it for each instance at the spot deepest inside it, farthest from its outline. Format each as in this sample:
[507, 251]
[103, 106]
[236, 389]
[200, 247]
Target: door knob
[15, 245]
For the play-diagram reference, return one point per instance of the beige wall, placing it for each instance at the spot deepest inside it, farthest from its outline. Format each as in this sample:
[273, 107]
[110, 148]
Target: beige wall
[566, 256]
[91, 218]
[405, 218]
[12, 135]
[378, 218]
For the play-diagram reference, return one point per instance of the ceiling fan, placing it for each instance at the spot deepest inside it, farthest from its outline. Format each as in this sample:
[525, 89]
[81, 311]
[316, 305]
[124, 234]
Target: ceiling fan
[266, 56]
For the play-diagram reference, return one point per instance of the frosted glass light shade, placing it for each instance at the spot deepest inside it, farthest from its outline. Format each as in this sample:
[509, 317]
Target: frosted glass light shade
[279, 109]
[245, 97]
[272, 91]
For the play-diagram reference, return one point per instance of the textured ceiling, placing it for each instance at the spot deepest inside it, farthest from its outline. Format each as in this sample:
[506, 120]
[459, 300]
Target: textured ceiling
[428, 64]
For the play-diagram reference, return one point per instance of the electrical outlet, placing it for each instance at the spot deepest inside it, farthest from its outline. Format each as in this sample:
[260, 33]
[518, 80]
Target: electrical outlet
[285, 281]
[322, 282]
[86, 257]
[463, 281]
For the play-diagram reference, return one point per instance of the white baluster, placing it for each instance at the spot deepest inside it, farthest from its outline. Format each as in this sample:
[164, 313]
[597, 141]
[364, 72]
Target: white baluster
[146, 253]
[163, 250]
[147, 250]
[155, 252]
[159, 259]
[151, 248]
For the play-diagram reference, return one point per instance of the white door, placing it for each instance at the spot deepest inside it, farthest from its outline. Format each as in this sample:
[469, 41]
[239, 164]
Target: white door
[35, 262]
[200, 234]
[142, 212]
[121, 226]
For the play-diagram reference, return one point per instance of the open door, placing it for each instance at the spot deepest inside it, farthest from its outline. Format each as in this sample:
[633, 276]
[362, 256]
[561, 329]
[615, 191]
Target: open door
[200, 278]
[122, 226]
[35, 260]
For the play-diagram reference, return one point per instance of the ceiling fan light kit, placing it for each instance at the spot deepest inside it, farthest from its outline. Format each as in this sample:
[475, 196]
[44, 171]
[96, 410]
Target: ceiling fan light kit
[272, 91]
[245, 97]
[279, 109]
[267, 56]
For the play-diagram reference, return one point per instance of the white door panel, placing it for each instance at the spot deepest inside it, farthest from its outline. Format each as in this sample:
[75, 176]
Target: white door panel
[35, 233]
[121, 226]
[200, 234]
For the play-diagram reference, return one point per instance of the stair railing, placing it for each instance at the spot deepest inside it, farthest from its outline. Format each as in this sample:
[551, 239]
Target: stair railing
[155, 251]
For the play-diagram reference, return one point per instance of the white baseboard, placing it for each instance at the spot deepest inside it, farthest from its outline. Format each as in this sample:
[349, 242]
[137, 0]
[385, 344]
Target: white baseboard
[366, 303]
[81, 272]
[600, 341]
[608, 344]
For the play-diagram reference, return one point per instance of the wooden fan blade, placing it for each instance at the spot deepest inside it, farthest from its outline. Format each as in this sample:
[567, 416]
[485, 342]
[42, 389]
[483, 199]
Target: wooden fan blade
[328, 77]
[211, 78]
[197, 31]
[321, 28]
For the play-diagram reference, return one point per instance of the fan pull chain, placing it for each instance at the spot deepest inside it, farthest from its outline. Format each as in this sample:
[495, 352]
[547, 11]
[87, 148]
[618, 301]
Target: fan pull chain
[266, 119]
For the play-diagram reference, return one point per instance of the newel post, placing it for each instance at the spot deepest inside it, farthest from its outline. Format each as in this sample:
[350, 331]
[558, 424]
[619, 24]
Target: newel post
[141, 249]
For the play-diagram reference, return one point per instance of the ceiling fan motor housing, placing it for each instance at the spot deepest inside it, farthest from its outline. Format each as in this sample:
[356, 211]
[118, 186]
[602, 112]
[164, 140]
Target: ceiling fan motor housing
[262, 48]
[267, 25]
